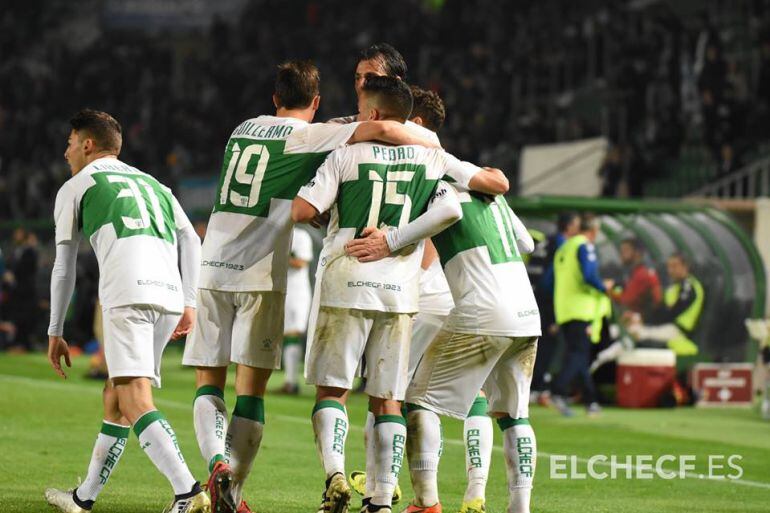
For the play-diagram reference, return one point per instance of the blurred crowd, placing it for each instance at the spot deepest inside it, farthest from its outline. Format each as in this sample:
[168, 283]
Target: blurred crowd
[652, 76]
[20, 308]
[645, 75]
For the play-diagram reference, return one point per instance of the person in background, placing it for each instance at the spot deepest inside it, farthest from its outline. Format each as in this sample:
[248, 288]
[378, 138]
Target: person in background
[642, 291]
[578, 289]
[568, 225]
[7, 328]
[298, 299]
[673, 325]
[611, 172]
[23, 296]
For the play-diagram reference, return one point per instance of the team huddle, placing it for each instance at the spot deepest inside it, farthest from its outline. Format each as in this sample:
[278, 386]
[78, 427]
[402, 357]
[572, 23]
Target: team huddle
[420, 290]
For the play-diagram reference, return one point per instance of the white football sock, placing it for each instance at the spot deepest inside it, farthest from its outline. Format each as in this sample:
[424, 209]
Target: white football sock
[210, 421]
[292, 353]
[244, 436]
[109, 447]
[389, 447]
[159, 442]
[330, 425]
[425, 445]
[478, 435]
[371, 455]
[520, 449]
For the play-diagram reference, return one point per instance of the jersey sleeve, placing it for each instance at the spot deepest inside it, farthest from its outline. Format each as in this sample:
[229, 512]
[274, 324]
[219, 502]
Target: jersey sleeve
[524, 240]
[63, 277]
[320, 137]
[458, 171]
[302, 245]
[589, 265]
[443, 211]
[342, 120]
[423, 132]
[180, 217]
[66, 214]
[321, 190]
[189, 254]
[445, 194]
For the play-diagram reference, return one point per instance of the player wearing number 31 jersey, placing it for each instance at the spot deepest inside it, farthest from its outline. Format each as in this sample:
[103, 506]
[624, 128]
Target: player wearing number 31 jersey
[135, 226]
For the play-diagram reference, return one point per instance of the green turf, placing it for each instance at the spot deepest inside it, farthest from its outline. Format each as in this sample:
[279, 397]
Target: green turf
[47, 427]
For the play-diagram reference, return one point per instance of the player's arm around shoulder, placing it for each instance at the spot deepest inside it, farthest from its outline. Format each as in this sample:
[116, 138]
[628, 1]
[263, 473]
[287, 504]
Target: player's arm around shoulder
[489, 180]
[443, 211]
[486, 180]
[391, 132]
[319, 194]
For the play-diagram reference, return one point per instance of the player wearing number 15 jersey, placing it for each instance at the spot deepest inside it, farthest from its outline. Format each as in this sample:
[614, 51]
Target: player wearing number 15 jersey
[244, 268]
[366, 309]
[135, 226]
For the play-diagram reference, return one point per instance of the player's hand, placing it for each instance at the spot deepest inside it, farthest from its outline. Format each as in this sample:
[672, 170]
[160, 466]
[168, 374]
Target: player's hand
[186, 323]
[372, 246]
[57, 347]
[320, 220]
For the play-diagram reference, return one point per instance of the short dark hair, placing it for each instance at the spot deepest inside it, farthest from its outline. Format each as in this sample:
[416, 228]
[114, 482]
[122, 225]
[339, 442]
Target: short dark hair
[391, 95]
[105, 130]
[681, 257]
[634, 242]
[565, 219]
[589, 222]
[296, 84]
[389, 57]
[429, 107]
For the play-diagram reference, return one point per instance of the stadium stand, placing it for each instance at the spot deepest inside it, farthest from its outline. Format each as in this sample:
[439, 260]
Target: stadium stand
[672, 105]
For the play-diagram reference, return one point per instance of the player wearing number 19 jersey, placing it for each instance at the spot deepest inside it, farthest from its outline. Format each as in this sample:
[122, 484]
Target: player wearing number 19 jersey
[244, 268]
[135, 226]
[366, 309]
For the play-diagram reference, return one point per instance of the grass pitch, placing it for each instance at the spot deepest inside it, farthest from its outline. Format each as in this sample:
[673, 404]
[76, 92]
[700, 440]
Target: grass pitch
[48, 426]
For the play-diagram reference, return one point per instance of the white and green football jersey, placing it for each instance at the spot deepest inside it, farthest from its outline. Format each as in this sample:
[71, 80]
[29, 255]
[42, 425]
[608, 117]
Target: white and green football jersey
[485, 271]
[131, 221]
[375, 185]
[267, 160]
[435, 296]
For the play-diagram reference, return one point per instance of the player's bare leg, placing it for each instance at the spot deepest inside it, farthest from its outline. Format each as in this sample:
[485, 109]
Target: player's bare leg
[211, 424]
[159, 442]
[330, 425]
[389, 448]
[108, 449]
[520, 449]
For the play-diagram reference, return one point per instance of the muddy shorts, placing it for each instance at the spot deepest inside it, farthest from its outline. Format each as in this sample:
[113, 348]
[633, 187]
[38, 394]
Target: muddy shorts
[346, 337]
[456, 366]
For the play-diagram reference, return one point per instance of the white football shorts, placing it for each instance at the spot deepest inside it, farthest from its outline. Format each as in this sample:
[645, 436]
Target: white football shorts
[239, 327]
